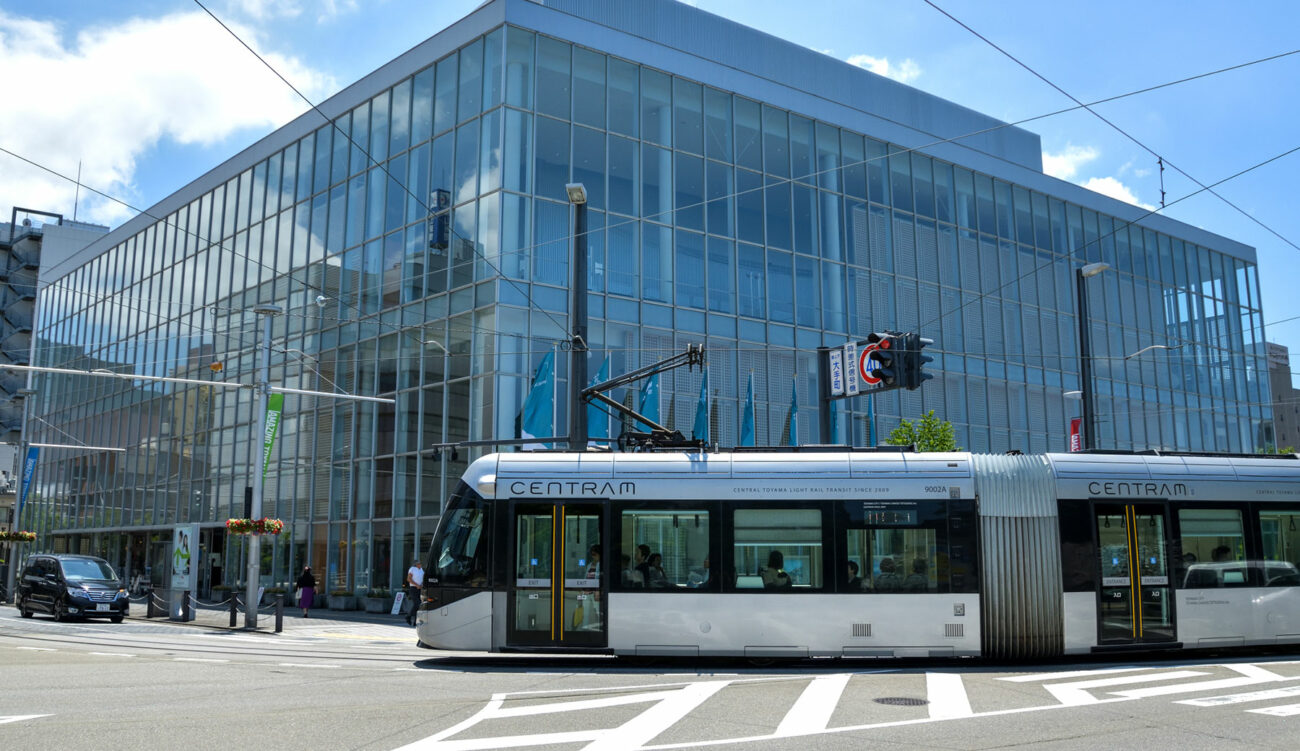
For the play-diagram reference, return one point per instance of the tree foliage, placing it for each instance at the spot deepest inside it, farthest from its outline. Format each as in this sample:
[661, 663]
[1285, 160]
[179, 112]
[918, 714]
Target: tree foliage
[927, 434]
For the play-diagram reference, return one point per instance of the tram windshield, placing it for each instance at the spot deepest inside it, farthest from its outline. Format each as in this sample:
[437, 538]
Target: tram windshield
[460, 549]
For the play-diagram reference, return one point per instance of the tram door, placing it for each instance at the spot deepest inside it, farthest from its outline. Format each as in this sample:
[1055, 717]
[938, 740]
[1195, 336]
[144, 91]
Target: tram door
[1132, 545]
[558, 593]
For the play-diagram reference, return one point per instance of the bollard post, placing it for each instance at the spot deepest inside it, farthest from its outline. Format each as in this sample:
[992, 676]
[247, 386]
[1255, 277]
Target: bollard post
[279, 613]
[151, 609]
[234, 609]
[185, 607]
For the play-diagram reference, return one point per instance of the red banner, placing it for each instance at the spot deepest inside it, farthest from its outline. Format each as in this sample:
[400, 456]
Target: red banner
[1076, 440]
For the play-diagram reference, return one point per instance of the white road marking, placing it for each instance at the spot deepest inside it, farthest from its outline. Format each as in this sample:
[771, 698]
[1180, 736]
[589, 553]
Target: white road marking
[1251, 674]
[37, 649]
[947, 696]
[813, 709]
[1063, 676]
[1075, 694]
[1219, 701]
[20, 717]
[1287, 710]
[305, 665]
[112, 654]
[643, 728]
[199, 659]
[668, 707]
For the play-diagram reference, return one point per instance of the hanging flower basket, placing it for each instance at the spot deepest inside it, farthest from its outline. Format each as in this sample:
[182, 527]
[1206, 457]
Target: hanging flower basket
[265, 526]
[17, 536]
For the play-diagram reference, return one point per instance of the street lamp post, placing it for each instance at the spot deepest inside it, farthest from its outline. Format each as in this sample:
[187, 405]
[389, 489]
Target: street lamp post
[578, 353]
[11, 577]
[1086, 440]
[259, 469]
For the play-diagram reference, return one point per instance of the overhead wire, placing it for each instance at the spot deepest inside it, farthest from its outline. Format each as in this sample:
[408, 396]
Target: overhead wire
[1118, 129]
[769, 180]
[837, 168]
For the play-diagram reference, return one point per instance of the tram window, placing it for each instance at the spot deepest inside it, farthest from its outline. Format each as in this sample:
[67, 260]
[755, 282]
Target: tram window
[1212, 539]
[460, 546]
[893, 561]
[664, 549]
[1280, 533]
[778, 549]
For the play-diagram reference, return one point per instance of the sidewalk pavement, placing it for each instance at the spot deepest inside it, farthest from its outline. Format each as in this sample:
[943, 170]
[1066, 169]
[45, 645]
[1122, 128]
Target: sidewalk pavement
[321, 623]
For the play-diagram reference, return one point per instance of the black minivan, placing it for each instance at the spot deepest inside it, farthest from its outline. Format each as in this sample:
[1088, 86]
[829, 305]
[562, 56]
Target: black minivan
[71, 586]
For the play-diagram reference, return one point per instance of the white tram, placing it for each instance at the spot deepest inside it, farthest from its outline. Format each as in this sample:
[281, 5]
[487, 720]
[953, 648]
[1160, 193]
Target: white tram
[865, 553]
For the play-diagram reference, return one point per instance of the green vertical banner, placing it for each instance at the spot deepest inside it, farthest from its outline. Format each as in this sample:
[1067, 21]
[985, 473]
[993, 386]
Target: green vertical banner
[274, 404]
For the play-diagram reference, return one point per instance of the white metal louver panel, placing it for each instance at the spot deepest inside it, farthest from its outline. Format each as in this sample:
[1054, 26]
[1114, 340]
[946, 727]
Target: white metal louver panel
[904, 245]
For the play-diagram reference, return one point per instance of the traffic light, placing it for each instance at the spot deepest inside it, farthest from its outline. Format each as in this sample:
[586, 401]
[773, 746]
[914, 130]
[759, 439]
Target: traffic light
[883, 353]
[914, 360]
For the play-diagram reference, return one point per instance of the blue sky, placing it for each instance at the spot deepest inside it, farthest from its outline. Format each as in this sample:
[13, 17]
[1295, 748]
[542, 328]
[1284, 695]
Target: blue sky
[150, 94]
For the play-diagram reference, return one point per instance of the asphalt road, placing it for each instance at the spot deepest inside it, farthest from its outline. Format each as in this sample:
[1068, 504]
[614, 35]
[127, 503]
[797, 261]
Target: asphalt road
[356, 685]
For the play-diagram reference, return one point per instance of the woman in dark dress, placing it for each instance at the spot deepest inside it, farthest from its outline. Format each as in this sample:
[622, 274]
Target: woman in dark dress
[306, 586]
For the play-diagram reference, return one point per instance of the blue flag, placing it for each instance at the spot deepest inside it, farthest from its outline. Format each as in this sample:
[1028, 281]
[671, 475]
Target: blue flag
[794, 412]
[649, 406]
[539, 407]
[747, 415]
[29, 468]
[598, 418]
[701, 431]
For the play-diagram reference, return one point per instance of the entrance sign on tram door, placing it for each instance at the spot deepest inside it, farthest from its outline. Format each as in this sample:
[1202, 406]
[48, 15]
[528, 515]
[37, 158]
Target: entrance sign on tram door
[558, 589]
[1132, 546]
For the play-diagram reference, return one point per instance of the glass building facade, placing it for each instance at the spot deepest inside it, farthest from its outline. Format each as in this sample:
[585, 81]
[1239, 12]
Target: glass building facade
[419, 245]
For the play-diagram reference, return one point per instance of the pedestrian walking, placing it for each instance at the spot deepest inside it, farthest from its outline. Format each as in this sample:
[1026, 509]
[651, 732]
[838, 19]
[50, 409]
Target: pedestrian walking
[414, 580]
[306, 587]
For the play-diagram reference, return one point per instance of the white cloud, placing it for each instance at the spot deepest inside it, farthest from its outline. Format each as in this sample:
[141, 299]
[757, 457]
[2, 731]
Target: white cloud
[1066, 164]
[904, 72]
[262, 10]
[117, 91]
[1109, 186]
[332, 8]
[266, 10]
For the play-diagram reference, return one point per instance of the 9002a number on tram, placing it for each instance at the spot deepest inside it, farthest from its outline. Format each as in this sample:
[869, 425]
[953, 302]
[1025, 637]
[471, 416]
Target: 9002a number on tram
[864, 554]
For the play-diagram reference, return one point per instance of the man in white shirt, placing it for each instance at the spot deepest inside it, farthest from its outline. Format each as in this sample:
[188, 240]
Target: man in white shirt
[414, 580]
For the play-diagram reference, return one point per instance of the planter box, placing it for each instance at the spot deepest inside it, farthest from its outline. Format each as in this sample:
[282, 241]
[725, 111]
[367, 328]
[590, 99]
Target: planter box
[343, 602]
[377, 604]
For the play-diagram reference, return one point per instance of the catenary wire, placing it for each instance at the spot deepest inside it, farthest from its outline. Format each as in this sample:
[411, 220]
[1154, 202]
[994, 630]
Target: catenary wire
[1118, 129]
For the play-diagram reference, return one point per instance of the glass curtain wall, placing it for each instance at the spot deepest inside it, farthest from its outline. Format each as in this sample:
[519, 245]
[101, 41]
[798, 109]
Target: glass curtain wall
[419, 246]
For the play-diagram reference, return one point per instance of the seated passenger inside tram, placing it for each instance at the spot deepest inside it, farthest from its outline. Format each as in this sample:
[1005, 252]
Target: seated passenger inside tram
[774, 575]
[888, 580]
[699, 576]
[657, 579]
[854, 583]
[918, 580]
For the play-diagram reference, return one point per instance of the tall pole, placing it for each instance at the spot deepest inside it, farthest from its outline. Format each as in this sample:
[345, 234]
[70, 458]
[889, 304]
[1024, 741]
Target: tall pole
[824, 395]
[263, 392]
[578, 352]
[20, 461]
[1086, 441]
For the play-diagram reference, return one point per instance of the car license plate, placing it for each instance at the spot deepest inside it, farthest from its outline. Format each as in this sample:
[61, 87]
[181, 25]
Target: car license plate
[101, 607]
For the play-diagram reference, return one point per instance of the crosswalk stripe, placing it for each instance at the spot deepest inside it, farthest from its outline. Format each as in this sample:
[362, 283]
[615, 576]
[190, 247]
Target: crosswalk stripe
[813, 709]
[1287, 710]
[947, 696]
[1251, 674]
[1219, 701]
[1076, 693]
[1062, 676]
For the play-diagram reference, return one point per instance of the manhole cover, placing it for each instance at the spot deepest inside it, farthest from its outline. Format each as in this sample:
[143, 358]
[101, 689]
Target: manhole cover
[901, 701]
